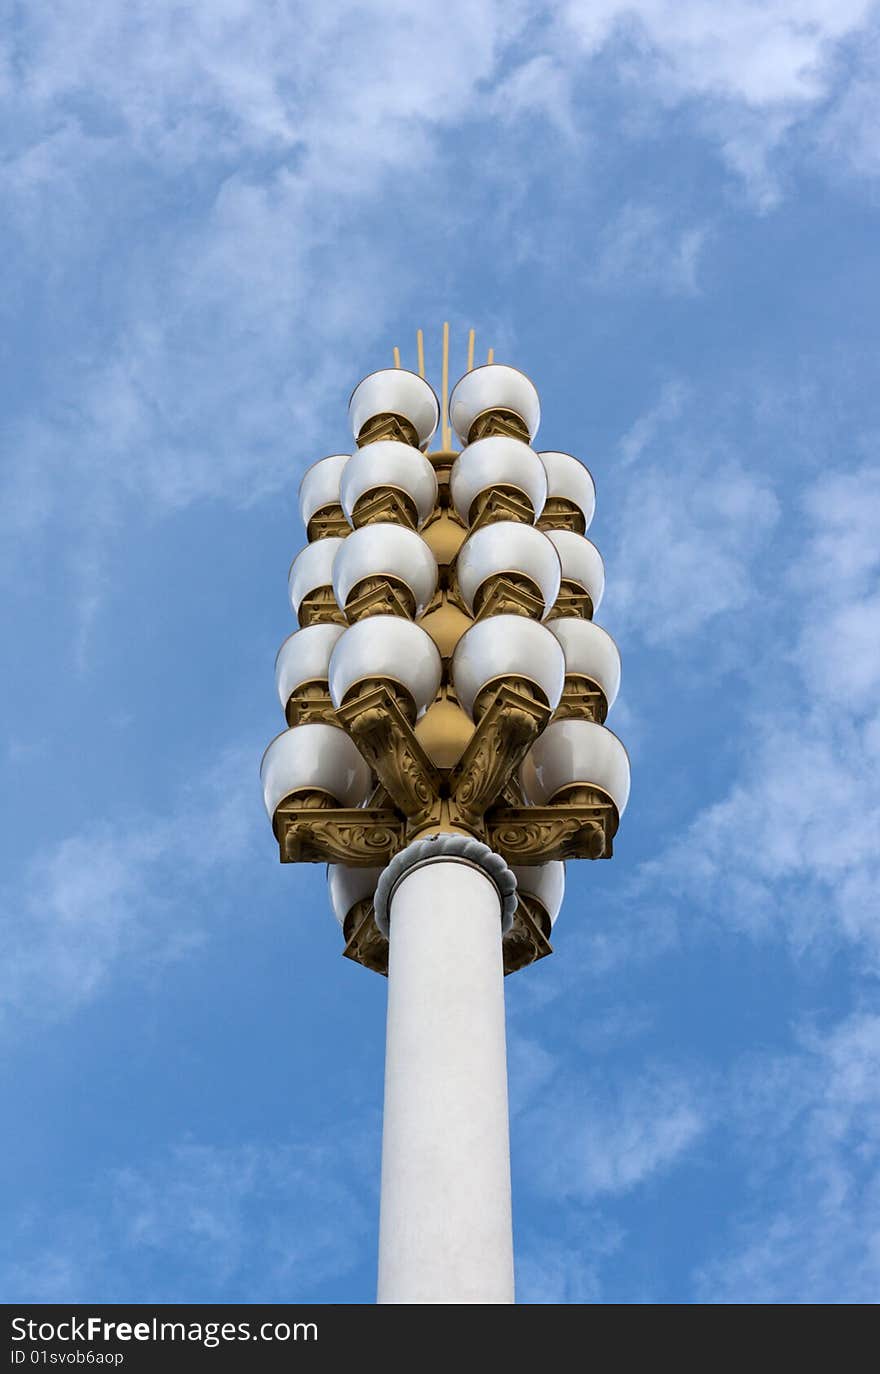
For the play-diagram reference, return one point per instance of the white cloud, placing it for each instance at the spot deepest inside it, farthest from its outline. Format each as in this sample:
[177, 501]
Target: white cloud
[202, 1222]
[645, 430]
[810, 1125]
[849, 138]
[598, 1141]
[752, 73]
[792, 849]
[542, 86]
[551, 1272]
[112, 893]
[689, 529]
[642, 249]
[222, 319]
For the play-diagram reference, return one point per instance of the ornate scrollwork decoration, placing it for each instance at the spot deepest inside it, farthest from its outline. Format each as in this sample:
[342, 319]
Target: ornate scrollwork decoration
[385, 505]
[364, 942]
[582, 699]
[500, 421]
[509, 594]
[310, 703]
[527, 940]
[382, 733]
[567, 829]
[326, 523]
[388, 427]
[508, 727]
[357, 836]
[573, 600]
[319, 608]
[380, 595]
[500, 503]
[561, 514]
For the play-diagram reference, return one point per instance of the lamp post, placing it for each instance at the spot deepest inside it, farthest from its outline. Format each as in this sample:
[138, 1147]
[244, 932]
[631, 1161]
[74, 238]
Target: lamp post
[445, 754]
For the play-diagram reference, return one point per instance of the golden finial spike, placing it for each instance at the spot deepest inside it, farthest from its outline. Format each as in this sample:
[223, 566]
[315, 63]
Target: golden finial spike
[471, 335]
[491, 357]
[420, 345]
[397, 357]
[445, 386]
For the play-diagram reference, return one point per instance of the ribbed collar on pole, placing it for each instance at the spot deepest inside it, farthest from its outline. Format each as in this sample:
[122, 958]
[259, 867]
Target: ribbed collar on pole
[434, 848]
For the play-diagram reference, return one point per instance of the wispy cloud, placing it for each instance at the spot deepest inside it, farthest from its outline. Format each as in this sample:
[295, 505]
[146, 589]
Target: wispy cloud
[113, 893]
[791, 848]
[654, 423]
[642, 249]
[811, 1123]
[599, 1138]
[550, 1272]
[202, 1222]
[689, 529]
[750, 75]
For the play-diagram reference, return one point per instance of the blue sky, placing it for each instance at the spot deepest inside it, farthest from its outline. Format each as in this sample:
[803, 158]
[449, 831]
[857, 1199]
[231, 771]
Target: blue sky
[216, 218]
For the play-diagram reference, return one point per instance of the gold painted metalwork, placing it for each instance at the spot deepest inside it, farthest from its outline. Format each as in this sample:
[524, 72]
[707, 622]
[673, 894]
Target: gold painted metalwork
[528, 938]
[493, 692]
[388, 426]
[445, 731]
[383, 506]
[327, 523]
[380, 595]
[509, 724]
[500, 503]
[441, 460]
[525, 942]
[509, 593]
[381, 731]
[444, 535]
[580, 823]
[500, 421]
[582, 699]
[310, 703]
[445, 623]
[573, 600]
[364, 941]
[319, 608]
[443, 773]
[361, 837]
[561, 514]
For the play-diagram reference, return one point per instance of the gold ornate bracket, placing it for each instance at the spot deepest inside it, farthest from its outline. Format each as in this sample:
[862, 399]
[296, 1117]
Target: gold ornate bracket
[385, 737]
[360, 837]
[500, 503]
[510, 725]
[385, 505]
[573, 601]
[582, 699]
[523, 944]
[388, 427]
[561, 514]
[379, 596]
[499, 421]
[366, 944]
[509, 594]
[310, 702]
[326, 523]
[538, 834]
[319, 608]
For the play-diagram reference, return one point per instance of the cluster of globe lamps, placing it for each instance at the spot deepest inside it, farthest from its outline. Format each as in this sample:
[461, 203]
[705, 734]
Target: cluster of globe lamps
[442, 574]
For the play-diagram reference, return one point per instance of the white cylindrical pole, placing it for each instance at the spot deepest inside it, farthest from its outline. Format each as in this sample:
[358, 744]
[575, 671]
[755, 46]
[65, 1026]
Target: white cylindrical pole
[445, 1233]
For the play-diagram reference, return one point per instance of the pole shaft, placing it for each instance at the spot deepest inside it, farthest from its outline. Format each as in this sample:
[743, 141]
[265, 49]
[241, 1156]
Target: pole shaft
[445, 1232]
